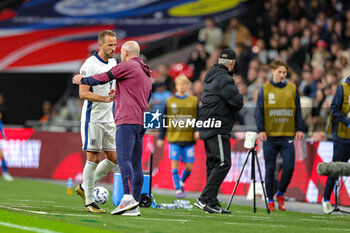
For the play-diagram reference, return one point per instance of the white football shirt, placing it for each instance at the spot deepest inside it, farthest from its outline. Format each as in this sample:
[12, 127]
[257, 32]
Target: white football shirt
[98, 111]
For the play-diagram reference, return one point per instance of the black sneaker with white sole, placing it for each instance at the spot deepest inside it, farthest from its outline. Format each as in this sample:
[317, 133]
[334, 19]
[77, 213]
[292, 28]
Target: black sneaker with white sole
[212, 209]
[200, 204]
[224, 211]
[215, 209]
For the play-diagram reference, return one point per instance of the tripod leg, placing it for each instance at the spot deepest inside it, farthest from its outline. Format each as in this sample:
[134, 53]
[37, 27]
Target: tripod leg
[262, 181]
[254, 181]
[234, 190]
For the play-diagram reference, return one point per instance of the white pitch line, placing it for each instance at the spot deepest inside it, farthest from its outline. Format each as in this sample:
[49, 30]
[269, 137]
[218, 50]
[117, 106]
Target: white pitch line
[213, 216]
[24, 200]
[46, 213]
[25, 228]
[333, 229]
[162, 219]
[250, 224]
[343, 222]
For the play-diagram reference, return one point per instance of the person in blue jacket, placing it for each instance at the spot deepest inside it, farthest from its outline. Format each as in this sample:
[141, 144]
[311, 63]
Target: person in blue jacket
[340, 128]
[278, 119]
[5, 174]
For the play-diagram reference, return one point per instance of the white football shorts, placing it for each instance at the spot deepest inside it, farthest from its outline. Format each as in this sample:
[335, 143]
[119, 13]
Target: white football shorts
[98, 137]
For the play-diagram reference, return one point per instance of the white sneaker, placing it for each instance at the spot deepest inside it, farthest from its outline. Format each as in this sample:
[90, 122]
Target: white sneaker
[327, 208]
[6, 176]
[126, 203]
[134, 212]
[181, 184]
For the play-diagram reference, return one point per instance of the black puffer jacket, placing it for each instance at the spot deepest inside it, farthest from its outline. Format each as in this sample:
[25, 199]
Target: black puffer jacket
[220, 101]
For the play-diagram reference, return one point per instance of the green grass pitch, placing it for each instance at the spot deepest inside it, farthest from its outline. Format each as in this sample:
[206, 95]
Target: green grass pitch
[39, 206]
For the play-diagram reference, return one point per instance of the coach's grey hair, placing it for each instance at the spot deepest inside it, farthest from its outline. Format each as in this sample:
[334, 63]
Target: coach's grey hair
[224, 61]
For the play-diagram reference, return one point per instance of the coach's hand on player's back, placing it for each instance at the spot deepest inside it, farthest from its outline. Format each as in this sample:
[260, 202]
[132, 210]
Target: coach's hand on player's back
[77, 79]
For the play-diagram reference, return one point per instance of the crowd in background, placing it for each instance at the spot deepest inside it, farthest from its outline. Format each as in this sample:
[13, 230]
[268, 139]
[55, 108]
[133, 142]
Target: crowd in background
[313, 37]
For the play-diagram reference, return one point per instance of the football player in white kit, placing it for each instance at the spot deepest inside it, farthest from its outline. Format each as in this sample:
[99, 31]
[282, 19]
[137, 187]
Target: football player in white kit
[97, 120]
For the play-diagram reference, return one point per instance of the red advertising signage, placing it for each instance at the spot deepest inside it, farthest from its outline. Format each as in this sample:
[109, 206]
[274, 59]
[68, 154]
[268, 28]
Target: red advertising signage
[32, 153]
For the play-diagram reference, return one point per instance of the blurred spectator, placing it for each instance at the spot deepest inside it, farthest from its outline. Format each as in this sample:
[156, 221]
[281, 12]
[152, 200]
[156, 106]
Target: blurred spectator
[198, 58]
[159, 96]
[212, 36]
[345, 64]
[3, 109]
[305, 41]
[306, 109]
[272, 52]
[47, 113]
[213, 58]
[253, 70]
[247, 113]
[197, 90]
[320, 54]
[236, 33]
[180, 68]
[262, 78]
[71, 111]
[310, 89]
[161, 75]
[245, 55]
[260, 49]
[297, 54]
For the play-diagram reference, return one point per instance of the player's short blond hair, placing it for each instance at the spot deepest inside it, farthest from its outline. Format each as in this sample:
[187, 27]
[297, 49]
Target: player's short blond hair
[103, 34]
[182, 78]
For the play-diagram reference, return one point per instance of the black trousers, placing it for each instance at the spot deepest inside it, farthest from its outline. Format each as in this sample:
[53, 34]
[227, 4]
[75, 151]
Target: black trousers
[218, 151]
[271, 147]
[341, 153]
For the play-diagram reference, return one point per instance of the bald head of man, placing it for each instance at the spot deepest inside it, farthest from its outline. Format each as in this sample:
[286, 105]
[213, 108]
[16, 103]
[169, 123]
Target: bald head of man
[130, 49]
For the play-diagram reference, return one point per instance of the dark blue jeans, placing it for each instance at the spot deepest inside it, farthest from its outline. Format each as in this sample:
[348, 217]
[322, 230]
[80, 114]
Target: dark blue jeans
[129, 155]
[271, 147]
[341, 153]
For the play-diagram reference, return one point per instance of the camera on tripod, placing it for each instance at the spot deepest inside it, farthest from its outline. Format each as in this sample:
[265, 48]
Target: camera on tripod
[250, 138]
[250, 144]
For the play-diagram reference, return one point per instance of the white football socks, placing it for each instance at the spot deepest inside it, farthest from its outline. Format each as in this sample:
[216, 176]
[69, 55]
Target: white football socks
[102, 169]
[88, 181]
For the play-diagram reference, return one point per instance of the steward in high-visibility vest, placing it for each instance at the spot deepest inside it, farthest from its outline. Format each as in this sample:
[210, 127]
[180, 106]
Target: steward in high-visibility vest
[278, 119]
[340, 128]
[340, 113]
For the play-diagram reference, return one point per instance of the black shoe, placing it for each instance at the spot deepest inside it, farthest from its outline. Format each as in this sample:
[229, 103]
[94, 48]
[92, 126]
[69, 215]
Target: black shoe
[200, 204]
[224, 211]
[212, 209]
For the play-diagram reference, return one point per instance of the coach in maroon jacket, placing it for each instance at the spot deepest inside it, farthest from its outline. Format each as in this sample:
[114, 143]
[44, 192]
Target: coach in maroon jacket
[133, 88]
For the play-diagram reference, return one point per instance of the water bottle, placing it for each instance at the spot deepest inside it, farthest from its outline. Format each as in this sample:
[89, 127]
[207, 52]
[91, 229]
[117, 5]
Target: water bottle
[167, 206]
[69, 186]
[181, 203]
[188, 207]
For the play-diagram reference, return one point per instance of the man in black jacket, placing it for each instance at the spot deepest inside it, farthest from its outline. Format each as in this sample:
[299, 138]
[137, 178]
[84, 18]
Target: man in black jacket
[221, 102]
